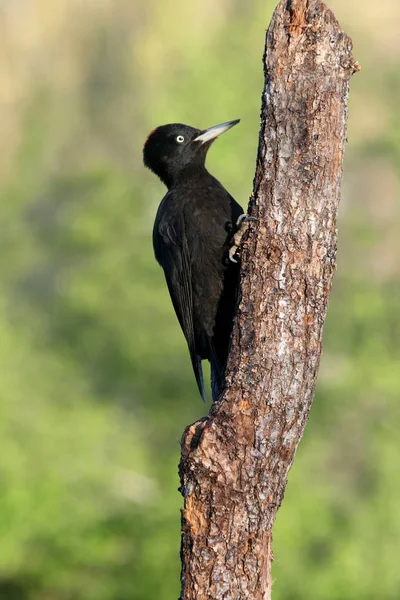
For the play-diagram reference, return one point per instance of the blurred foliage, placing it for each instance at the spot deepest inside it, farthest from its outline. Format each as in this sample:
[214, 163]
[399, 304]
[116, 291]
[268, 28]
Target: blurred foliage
[96, 382]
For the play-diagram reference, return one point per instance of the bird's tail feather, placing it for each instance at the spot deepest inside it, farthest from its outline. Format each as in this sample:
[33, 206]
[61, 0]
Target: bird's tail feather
[217, 374]
[198, 372]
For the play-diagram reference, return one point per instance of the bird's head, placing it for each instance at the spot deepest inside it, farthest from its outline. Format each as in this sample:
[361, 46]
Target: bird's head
[171, 148]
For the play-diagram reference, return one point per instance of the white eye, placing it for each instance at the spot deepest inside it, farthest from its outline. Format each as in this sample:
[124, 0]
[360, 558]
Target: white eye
[180, 139]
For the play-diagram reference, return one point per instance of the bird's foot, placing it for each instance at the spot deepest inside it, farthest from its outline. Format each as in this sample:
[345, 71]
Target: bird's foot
[242, 225]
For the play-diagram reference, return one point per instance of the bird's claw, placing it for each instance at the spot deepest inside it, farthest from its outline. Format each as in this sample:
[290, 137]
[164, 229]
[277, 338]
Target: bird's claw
[242, 224]
[232, 252]
[246, 219]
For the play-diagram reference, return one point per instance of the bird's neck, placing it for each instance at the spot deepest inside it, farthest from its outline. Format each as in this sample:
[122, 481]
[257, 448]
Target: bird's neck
[191, 172]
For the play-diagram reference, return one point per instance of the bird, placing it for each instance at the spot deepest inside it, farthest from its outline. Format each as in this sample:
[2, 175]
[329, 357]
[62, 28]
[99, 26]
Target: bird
[192, 235]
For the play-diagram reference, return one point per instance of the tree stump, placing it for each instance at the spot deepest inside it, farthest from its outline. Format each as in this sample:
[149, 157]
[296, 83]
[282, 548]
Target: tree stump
[236, 460]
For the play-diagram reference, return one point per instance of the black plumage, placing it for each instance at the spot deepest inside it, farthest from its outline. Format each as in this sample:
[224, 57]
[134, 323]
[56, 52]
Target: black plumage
[192, 234]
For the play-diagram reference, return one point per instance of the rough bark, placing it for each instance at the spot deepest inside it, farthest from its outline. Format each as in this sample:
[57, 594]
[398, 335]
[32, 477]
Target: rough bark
[236, 460]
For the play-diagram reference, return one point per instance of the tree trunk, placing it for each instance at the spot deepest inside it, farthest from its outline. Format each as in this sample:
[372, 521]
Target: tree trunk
[236, 460]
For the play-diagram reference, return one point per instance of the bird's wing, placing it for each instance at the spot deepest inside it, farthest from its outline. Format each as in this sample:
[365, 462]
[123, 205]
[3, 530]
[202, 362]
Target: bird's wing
[172, 253]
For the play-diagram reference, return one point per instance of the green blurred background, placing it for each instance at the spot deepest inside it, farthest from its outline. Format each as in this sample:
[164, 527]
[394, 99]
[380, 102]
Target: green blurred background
[96, 384]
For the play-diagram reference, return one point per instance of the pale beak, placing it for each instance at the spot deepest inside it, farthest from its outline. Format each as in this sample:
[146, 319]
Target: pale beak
[213, 132]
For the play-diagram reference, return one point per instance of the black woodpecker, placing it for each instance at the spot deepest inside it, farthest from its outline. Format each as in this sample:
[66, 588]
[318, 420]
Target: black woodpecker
[192, 235]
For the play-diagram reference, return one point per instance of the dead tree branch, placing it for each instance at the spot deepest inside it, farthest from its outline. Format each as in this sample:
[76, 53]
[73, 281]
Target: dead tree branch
[235, 461]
